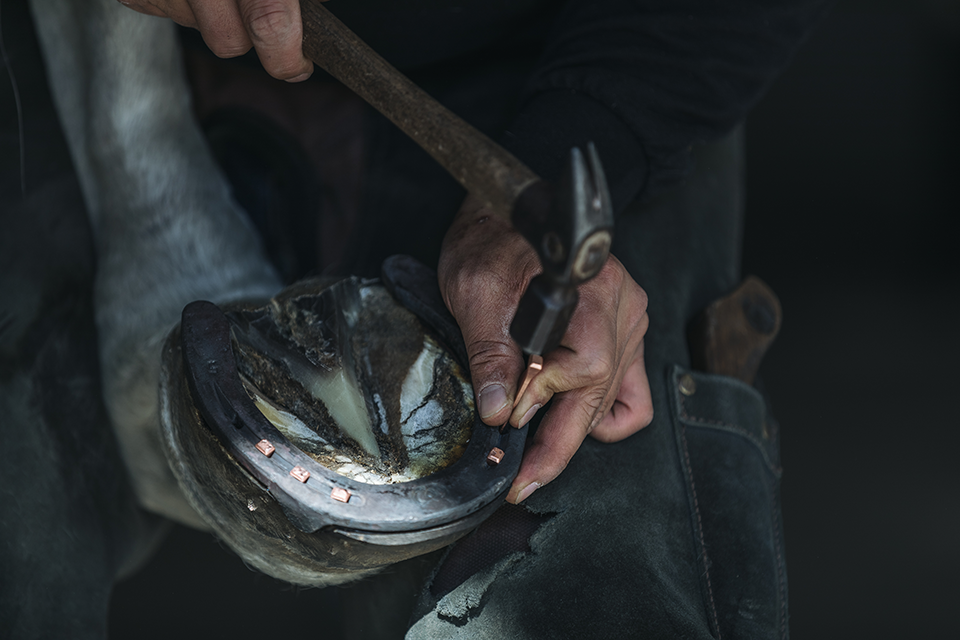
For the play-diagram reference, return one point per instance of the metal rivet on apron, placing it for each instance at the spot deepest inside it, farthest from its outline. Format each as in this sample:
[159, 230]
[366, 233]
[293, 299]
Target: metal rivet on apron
[340, 494]
[688, 386]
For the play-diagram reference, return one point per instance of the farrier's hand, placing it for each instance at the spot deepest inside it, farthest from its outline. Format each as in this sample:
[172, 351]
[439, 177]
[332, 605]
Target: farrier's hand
[596, 374]
[232, 27]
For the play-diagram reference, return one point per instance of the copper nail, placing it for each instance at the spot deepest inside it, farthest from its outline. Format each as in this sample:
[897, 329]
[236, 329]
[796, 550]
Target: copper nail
[340, 495]
[534, 366]
[300, 473]
[495, 456]
[265, 448]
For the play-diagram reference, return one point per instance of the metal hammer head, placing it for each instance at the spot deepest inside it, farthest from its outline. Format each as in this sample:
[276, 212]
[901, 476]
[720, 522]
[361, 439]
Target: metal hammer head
[571, 228]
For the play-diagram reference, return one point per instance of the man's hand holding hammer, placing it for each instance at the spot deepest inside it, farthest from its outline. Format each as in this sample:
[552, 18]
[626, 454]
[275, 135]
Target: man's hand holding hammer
[233, 27]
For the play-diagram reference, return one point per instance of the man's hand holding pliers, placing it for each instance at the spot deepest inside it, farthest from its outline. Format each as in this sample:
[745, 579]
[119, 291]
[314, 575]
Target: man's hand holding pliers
[596, 377]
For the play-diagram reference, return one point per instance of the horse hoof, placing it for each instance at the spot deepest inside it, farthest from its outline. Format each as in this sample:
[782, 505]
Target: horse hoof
[328, 433]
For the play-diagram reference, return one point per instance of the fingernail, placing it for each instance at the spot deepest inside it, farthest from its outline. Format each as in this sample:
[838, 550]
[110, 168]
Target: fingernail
[532, 411]
[491, 400]
[301, 77]
[527, 490]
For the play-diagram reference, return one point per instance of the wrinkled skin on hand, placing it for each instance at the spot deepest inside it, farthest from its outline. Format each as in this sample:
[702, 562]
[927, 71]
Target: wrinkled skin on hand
[596, 377]
[232, 27]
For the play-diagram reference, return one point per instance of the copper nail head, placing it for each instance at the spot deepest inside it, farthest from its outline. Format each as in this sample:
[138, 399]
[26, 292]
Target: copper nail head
[265, 448]
[495, 456]
[536, 362]
[300, 473]
[340, 494]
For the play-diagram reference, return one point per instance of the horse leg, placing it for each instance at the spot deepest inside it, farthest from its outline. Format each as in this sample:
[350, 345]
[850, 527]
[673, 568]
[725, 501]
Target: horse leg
[165, 228]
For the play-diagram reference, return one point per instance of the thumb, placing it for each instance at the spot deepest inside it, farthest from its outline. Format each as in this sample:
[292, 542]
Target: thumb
[495, 366]
[484, 268]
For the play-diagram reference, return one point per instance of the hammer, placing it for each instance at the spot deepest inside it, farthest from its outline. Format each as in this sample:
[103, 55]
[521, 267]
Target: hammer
[569, 224]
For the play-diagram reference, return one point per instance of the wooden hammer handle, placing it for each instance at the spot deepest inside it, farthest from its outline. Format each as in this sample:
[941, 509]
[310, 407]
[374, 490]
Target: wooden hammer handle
[731, 336]
[483, 167]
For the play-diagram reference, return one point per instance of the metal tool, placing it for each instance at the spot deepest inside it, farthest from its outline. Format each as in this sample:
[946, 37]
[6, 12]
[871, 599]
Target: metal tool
[569, 225]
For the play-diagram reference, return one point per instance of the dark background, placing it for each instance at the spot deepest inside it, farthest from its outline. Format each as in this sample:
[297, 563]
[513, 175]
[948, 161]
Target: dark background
[853, 208]
[853, 213]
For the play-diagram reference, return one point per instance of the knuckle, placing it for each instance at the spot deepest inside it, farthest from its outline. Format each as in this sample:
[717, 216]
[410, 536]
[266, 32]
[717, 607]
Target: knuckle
[611, 277]
[266, 19]
[590, 408]
[639, 298]
[614, 277]
[598, 370]
[486, 354]
[613, 272]
[269, 20]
